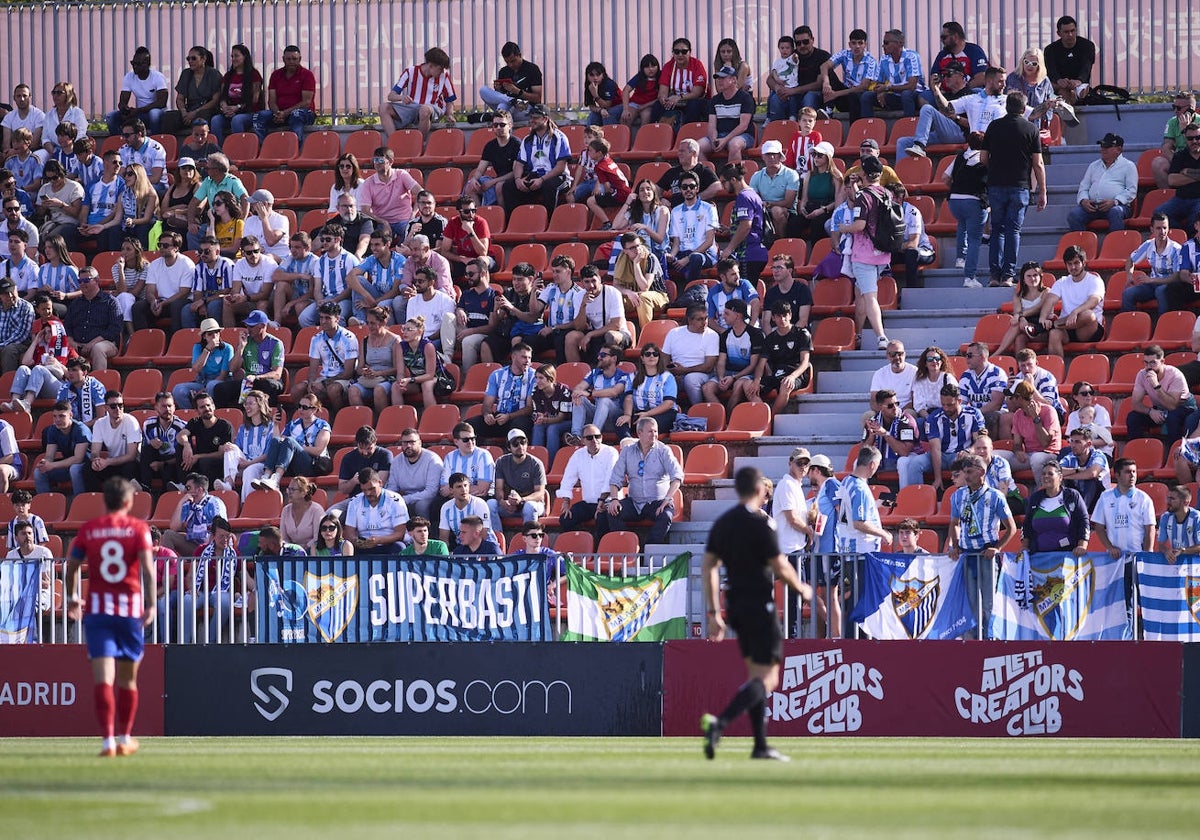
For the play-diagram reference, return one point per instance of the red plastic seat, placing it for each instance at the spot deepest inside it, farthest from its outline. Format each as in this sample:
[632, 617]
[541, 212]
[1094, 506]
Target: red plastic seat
[706, 462]
[320, 150]
[748, 421]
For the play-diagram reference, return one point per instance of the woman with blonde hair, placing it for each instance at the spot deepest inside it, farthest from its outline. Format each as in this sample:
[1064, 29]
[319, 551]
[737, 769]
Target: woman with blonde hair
[64, 109]
[301, 518]
[421, 368]
[378, 362]
[129, 274]
[139, 203]
[244, 457]
[820, 192]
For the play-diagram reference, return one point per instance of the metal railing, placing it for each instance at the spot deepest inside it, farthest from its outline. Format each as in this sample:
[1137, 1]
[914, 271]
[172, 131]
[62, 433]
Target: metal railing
[358, 49]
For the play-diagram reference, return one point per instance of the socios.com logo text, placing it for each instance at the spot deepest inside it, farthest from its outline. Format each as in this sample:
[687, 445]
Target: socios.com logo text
[417, 696]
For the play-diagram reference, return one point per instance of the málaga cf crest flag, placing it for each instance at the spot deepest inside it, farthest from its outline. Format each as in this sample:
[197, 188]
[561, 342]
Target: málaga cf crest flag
[1169, 594]
[19, 584]
[913, 596]
[649, 608]
[1057, 596]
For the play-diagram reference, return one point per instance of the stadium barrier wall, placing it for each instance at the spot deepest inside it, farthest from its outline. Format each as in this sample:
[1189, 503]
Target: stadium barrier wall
[46, 690]
[415, 689]
[974, 689]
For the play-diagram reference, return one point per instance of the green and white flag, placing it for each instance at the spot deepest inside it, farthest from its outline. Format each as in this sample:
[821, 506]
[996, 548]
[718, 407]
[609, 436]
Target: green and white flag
[649, 608]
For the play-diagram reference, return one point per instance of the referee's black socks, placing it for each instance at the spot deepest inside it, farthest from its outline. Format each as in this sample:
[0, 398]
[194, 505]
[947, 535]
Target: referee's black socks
[753, 693]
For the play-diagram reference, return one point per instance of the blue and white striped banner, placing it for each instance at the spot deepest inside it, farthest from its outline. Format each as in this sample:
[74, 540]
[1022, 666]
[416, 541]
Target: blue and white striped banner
[20, 581]
[1054, 596]
[1169, 594]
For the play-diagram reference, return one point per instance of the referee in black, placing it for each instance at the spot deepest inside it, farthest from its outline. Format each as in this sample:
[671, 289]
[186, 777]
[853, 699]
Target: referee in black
[744, 540]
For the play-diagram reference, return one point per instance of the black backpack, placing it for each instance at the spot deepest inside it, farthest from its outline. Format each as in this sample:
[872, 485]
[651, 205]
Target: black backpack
[1108, 95]
[887, 232]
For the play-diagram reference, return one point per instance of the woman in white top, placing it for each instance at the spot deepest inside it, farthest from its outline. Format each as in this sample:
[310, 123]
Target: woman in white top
[65, 108]
[1089, 412]
[1027, 304]
[347, 178]
[933, 372]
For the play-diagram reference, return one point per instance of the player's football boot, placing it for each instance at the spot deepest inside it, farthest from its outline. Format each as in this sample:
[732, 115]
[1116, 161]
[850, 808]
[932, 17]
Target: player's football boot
[770, 754]
[712, 734]
[107, 751]
[127, 747]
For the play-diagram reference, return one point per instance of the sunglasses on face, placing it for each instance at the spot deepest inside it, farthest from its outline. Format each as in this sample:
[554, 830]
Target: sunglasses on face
[307, 407]
[518, 442]
[466, 439]
[680, 52]
[248, 251]
[329, 528]
[650, 354]
[591, 437]
[1086, 393]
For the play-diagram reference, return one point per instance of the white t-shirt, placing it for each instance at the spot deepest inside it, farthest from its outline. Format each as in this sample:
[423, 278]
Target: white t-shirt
[1126, 518]
[169, 279]
[688, 348]
[253, 277]
[115, 441]
[1073, 293]
[254, 227]
[34, 120]
[901, 383]
[789, 495]
[144, 90]
[606, 306]
[432, 310]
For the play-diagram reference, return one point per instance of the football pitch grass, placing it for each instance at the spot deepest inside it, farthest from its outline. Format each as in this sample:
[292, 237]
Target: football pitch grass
[222, 788]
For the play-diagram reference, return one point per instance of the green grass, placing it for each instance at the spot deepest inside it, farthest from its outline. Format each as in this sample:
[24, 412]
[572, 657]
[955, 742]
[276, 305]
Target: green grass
[221, 788]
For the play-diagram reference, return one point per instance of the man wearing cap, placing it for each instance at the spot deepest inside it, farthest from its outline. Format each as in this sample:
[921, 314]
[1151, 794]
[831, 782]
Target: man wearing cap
[272, 229]
[16, 325]
[790, 509]
[94, 323]
[936, 123]
[778, 186]
[730, 117]
[869, 148]
[866, 262]
[540, 170]
[199, 144]
[520, 482]
[1108, 189]
[859, 72]
[257, 363]
[143, 95]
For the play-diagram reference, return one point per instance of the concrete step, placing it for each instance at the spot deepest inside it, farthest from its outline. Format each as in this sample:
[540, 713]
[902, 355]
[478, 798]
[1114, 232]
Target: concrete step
[953, 296]
[707, 510]
[844, 381]
[836, 452]
[773, 466]
[800, 426]
[828, 425]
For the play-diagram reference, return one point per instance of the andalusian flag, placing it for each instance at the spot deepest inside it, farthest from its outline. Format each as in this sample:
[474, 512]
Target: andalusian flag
[649, 608]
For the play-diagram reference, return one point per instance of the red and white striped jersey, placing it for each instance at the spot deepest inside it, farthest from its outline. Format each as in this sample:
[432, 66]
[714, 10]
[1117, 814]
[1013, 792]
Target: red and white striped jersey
[112, 546]
[425, 90]
[680, 81]
[796, 155]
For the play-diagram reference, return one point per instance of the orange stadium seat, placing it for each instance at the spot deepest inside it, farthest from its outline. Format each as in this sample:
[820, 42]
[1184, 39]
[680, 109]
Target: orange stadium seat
[140, 386]
[902, 127]
[748, 421]
[443, 146]
[241, 147]
[476, 381]
[347, 423]
[437, 421]
[1089, 367]
[1150, 202]
[313, 194]
[1145, 172]
[279, 149]
[918, 501]
[1173, 331]
[407, 144]
[1085, 239]
[446, 184]
[569, 220]
[524, 223]
[1115, 250]
[1147, 453]
[914, 173]
[833, 335]
[706, 462]
[1128, 331]
[654, 141]
[479, 138]
[362, 144]
[713, 413]
[1125, 369]
[145, 347]
[833, 296]
[865, 128]
[284, 184]
[533, 253]
[395, 419]
[320, 150]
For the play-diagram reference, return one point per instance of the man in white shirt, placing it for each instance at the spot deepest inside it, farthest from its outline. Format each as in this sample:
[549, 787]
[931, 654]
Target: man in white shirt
[376, 519]
[1082, 295]
[897, 375]
[272, 229]
[437, 308]
[143, 96]
[690, 352]
[590, 467]
[692, 232]
[789, 509]
[1124, 520]
[168, 285]
[116, 444]
[601, 322]
[1108, 189]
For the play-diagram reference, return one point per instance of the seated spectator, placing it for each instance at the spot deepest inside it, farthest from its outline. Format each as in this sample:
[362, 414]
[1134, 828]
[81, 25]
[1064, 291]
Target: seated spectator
[65, 446]
[893, 432]
[782, 81]
[421, 544]
[23, 515]
[130, 273]
[918, 249]
[144, 150]
[82, 390]
[732, 287]
[683, 85]
[198, 145]
[347, 178]
[1069, 61]
[506, 398]
[907, 534]
[652, 395]
[21, 160]
[601, 95]
[212, 282]
[10, 190]
[291, 97]
[329, 541]
[728, 56]
[1165, 257]
[462, 504]
[1036, 433]
[1084, 467]
[1029, 295]
[168, 285]
[1182, 293]
[779, 187]
[199, 87]
[257, 364]
[639, 97]
[601, 322]
[93, 321]
[136, 212]
[14, 221]
[202, 442]
[933, 375]
[226, 222]
[670, 184]
[57, 276]
[540, 170]
[303, 449]
[116, 443]
[520, 482]
[301, 517]
[820, 187]
[421, 368]
[1184, 176]
[1170, 400]
[421, 258]
[244, 457]
[900, 79]
[938, 123]
[693, 231]
[295, 280]
[1173, 141]
[949, 431]
[1081, 295]
[645, 214]
[43, 367]
[784, 286]
[16, 321]
[271, 229]
[218, 180]
[730, 118]
[332, 361]
[379, 364]
[143, 95]
[690, 352]
[375, 518]
[1091, 415]
[897, 375]
[416, 475]
[210, 364]
[785, 366]
[611, 187]
[159, 454]
[518, 83]
[590, 467]
[1108, 189]
[1044, 383]
[983, 383]
[426, 221]
[599, 396]
[466, 238]
[739, 350]
[331, 287]
[20, 271]
[424, 93]
[498, 154]
[859, 69]
[356, 229]
[60, 200]
[555, 308]
[552, 410]
[473, 540]
[192, 523]
[366, 453]
[472, 461]
[101, 198]
[272, 544]
[652, 475]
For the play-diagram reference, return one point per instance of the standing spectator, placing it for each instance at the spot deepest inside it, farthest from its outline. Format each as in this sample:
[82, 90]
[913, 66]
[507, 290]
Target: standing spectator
[746, 236]
[540, 170]
[1012, 151]
[1036, 432]
[683, 85]
[866, 261]
[819, 190]
[467, 238]
[693, 232]
[1124, 522]
[499, 154]
[900, 78]
[1081, 293]
[859, 69]
[967, 179]
[415, 474]
[303, 448]
[241, 94]
[652, 474]
[1069, 61]
[116, 443]
[82, 390]
[1084, 467]
[143, 95]
[730, 118]
[257, 363]
[423, 93]
[598, 397]
[194, 518]
[375, 518]
[518, 83]
[859, 529]
[300, 520]
[65, 446]
[202, 442]
[1179, 527]
[16, 322]
[506, 398]
[1058, 518]
[520, 482]
[980, 526]
[159, 454]
[690, 353]
[1108, 189]
[589, 467]
[1166, 390]
[94, 322]
[291, 97]
[198, 88]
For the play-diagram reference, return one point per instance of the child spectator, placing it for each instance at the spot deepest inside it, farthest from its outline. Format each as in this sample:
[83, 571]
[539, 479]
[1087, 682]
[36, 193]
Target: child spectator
[585, 170]
[22, 501]
[612, 187]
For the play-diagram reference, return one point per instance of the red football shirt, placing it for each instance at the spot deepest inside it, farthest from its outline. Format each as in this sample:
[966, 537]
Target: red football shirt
[112, 546]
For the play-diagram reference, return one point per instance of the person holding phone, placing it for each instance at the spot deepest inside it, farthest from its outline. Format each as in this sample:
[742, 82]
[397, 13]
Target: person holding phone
[210, 364]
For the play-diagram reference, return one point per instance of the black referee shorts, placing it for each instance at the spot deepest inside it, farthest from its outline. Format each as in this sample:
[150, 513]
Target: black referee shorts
[759, 635]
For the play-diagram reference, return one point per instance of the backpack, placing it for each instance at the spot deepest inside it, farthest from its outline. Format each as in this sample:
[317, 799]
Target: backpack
[887, 230]
[1108, 95]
